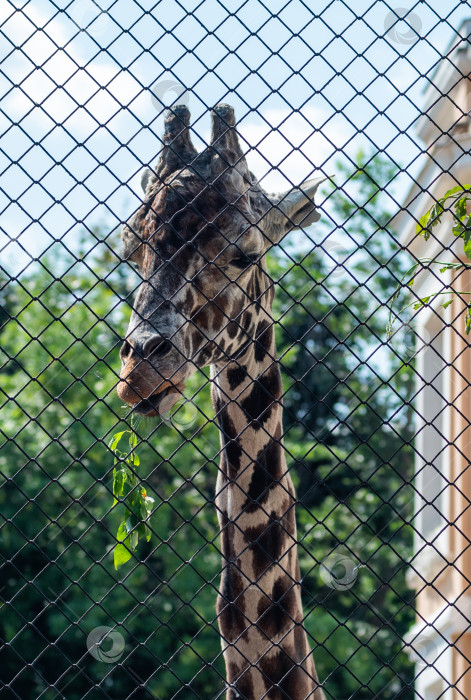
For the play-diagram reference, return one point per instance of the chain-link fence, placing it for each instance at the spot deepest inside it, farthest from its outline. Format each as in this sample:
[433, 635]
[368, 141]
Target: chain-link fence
[235, 512]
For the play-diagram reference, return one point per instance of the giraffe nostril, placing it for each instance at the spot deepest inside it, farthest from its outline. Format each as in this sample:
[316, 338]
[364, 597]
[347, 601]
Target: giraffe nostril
[157, 346]
[125, 350]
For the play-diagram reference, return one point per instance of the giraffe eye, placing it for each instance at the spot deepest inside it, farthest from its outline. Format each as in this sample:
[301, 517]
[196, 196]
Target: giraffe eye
[244, 261]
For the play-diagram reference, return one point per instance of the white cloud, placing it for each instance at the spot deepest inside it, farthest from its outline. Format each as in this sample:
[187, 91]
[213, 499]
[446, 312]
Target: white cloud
[288, 147]
[62, 81]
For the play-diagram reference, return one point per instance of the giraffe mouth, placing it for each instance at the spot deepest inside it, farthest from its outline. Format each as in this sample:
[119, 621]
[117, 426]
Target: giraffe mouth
[150, 406]
[160, 402]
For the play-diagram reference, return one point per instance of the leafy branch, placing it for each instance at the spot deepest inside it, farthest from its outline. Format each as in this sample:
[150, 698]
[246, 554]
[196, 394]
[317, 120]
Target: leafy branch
[127, 490]
[456, 202]
[458, 197]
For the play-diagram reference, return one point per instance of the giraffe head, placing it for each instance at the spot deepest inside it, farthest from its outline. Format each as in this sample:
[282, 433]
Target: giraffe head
[199, 239]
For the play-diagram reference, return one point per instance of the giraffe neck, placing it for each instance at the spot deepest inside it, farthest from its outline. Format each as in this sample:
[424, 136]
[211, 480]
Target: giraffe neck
[259, 606]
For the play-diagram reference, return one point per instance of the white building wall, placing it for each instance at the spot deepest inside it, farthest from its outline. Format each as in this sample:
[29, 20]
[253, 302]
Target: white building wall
[444, 612]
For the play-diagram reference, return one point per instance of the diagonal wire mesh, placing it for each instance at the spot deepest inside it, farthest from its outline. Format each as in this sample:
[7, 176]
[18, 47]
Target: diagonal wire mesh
[150, 539]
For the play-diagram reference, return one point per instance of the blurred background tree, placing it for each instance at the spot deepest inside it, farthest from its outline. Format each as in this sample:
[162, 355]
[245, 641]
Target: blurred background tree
[347, 427]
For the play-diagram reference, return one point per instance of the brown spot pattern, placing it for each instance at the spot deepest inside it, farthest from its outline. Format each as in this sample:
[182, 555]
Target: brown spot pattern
[263, 340]
[230, 605]
[266, 542]
[265, 392]
[230, 441]
[283, 677]
[266, 473]
[236, 375]
[277, 612]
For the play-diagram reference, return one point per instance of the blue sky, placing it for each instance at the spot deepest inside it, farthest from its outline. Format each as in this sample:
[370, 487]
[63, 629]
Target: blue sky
[311, 82]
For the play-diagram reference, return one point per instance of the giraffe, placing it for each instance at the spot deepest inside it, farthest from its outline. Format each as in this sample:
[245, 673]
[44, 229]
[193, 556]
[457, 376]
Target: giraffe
[199, 239]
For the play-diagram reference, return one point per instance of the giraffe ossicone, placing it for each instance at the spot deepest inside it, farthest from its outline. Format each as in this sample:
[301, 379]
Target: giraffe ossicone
[199, 240]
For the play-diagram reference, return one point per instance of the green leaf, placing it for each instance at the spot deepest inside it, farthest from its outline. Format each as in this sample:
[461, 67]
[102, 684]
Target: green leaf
[144, 531]
[436, 211]
[451, 266]
[137, 506]
[447, 304]
[121, 555]
[146, 507]
[430, 219]
[119, 479]
[143, 510]
[467, 249]
[422, 302]
[122, 532]
[421, 226]
[131, 523]
[456, 190]
[460, 208]
[113, 444]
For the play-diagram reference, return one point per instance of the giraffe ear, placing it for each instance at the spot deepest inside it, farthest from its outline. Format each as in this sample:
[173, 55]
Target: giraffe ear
[292, 209]
[146, 175]
[132, 244]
